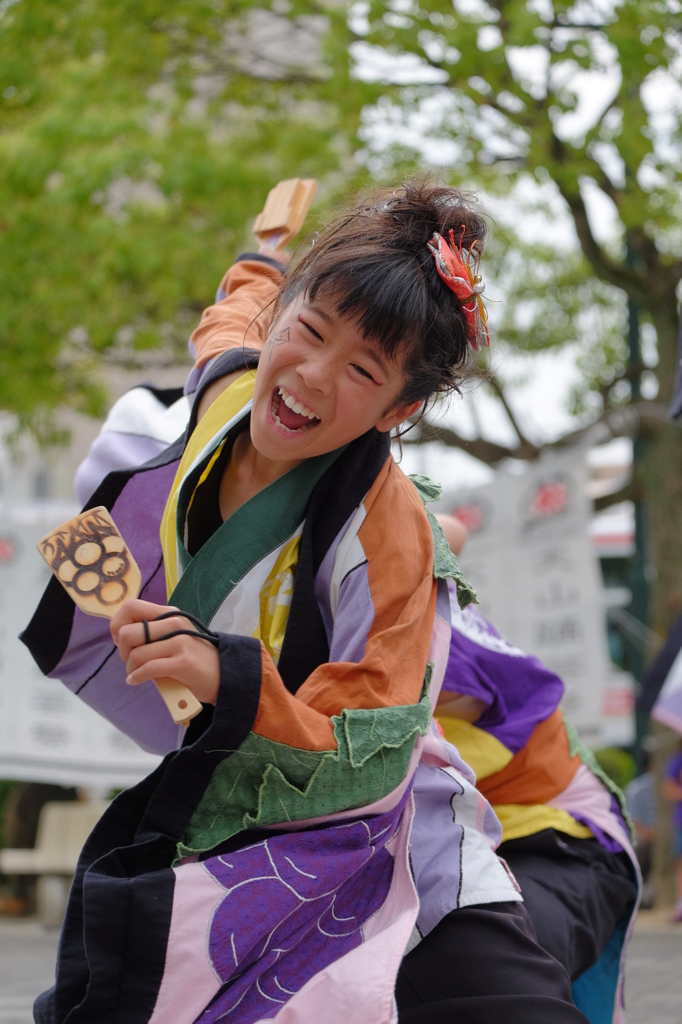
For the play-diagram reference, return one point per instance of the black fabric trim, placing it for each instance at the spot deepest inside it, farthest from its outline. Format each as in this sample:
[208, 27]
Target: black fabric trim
[332, 502]
[262, 258]
[47, 634]
[167, 396]
[124, 885]
[229, 362]
[238, 696]
[190, 771]
[73, 997]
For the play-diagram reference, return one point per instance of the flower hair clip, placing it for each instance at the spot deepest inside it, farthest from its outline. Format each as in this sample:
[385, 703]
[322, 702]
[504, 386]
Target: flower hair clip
[464, 280]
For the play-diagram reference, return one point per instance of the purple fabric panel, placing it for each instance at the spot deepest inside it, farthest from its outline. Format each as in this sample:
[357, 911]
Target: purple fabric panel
[605, 840]
[111, 451]
[196, 373]
[443, 601]
[91, 666]
[673, 771]
[323, 580]
[518, 689]
[293, 905]
[354, 617]
[435, 846]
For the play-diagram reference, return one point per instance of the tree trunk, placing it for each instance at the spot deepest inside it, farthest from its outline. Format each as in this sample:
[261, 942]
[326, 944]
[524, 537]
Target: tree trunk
[661, 476]
[660, 471]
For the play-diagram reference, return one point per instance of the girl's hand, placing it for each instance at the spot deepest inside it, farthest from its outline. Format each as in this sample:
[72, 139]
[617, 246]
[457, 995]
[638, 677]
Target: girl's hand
[191, 660]
[282, 255]
[460, 705]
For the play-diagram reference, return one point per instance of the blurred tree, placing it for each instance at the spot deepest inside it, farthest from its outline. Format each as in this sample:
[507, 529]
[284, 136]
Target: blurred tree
[136, 139]
[569, 113]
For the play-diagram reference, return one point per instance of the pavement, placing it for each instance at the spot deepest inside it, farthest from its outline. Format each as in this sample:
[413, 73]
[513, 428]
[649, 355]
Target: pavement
[653, 980]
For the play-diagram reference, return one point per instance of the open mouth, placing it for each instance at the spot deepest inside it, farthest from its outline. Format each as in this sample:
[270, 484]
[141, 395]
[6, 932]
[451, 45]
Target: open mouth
[292, 415]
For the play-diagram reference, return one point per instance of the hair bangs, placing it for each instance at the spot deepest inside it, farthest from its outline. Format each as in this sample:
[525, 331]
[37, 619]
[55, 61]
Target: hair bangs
[383, 296]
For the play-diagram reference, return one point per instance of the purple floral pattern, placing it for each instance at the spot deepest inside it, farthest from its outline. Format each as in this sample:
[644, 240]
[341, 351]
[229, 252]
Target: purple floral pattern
[293, 905]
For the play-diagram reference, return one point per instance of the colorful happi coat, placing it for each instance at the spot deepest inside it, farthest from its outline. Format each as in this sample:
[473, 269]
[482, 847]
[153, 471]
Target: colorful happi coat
[262, 871]
[534, 771]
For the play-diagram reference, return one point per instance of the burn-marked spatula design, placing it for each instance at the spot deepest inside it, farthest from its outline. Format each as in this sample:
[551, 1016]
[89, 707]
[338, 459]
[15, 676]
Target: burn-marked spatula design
[92, 562]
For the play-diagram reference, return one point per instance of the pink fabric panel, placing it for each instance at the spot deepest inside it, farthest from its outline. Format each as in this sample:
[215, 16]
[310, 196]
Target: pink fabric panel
[189, 981]
[587, 797]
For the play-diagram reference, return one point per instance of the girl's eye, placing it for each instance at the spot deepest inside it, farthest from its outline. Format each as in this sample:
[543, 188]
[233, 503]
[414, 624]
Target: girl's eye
[309, 328]
[364, 372]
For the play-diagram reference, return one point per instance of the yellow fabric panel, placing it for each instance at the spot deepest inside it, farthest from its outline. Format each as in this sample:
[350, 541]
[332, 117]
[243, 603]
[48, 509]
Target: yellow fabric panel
[483, 752]
[221, 411]
[520, 820]
[275, 599]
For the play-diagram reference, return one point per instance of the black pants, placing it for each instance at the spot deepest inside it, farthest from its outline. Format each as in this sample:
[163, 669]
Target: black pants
[483, 965]
[575, 892]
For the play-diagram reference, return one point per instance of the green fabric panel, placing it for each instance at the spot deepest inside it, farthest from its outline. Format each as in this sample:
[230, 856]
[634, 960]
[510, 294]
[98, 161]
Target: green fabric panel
[576, 746]
[445, 564]
[268, 783]
[260, 526]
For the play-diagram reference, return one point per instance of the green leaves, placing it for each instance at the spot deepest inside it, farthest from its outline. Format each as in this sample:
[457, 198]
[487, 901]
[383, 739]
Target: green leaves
[134, 148]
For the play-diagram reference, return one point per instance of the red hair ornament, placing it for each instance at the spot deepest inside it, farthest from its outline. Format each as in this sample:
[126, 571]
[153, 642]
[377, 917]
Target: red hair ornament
[464, 280]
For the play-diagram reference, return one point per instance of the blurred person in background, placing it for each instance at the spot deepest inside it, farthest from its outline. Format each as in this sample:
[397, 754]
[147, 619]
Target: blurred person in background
[640, 798]
[565, 835]
[672, 788]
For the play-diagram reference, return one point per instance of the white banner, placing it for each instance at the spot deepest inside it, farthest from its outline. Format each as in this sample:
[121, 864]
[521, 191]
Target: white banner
[46, 733]
[538, 580]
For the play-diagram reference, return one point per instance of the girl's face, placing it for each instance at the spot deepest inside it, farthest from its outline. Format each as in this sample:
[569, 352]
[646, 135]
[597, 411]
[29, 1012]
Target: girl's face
[321, 384]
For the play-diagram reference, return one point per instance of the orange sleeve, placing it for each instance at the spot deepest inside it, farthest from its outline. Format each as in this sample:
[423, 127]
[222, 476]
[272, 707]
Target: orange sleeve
[541, 770]
[243, 317]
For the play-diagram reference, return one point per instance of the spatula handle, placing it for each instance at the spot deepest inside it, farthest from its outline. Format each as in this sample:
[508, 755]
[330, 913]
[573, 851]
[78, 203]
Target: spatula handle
[180, 701]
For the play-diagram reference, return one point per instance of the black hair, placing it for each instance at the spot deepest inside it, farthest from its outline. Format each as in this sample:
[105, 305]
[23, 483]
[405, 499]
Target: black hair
[374, 262]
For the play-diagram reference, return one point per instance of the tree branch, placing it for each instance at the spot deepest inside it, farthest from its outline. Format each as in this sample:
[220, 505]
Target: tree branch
[530, 450]
[631, 492]
[478, 447]
[618, 274]
[647, 417]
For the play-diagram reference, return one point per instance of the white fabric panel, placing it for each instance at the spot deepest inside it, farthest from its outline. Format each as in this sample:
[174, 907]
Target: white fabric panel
[240, 611]
[140, 412]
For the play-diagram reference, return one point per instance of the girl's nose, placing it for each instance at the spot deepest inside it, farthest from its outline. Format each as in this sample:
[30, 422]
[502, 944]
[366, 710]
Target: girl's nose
[316, 372]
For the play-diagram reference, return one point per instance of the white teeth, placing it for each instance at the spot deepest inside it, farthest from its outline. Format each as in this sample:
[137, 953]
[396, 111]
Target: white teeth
[295, 406]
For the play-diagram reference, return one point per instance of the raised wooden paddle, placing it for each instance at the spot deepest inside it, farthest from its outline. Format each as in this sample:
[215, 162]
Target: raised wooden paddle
[284, 211]
[92, 562]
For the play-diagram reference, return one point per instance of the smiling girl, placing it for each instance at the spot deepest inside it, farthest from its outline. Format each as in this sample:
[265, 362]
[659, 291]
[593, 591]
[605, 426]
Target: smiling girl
[310, 826]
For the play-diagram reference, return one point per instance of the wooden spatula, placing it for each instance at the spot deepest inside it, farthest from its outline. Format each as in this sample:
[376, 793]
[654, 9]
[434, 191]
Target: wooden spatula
[92, 562]
[285, 211]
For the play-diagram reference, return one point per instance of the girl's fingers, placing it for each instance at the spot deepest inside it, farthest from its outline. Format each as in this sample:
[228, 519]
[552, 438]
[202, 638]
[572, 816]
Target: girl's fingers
[189, 660]
[135, 611]
[134, 634]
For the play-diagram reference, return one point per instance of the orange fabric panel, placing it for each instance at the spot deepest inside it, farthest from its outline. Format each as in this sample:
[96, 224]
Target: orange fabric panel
[539, 772]
[284, 718]
[242, 318]
[392, 669]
